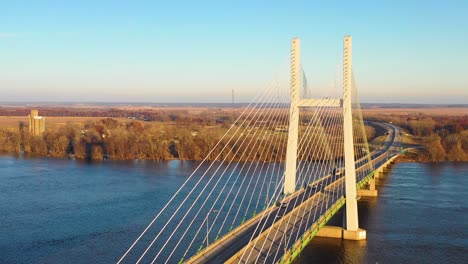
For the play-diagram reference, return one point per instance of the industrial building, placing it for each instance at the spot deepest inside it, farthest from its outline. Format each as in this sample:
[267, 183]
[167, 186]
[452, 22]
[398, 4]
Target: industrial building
[36, 123]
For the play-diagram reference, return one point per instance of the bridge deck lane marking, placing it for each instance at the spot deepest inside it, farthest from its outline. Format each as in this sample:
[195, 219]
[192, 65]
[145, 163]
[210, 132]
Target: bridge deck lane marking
[234, 242]
[299, 215]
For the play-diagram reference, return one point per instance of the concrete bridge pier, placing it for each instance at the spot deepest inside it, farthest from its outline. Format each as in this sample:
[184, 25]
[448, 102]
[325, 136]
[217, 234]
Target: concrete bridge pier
[378, 173]
[384, 168]
[368, 190]
[342, 232]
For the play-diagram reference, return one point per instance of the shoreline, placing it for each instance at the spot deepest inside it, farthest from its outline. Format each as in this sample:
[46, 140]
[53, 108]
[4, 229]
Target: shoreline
[405, 158]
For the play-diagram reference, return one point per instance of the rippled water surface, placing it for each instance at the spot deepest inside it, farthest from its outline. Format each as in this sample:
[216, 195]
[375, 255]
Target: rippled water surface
[420, 216]
[65, 211]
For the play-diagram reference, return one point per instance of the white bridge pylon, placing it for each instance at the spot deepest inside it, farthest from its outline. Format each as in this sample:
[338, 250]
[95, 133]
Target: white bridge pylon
[293, 133]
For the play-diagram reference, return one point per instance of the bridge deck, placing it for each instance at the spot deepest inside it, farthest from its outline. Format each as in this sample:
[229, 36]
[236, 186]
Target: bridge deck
[266, 247]
[250, 244]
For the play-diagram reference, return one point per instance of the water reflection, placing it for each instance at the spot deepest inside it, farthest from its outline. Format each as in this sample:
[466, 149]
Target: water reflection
[70, 211]
[418, 217]
[329, 250]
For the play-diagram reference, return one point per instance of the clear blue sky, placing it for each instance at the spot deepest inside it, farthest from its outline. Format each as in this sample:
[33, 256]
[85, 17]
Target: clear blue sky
[197, 51]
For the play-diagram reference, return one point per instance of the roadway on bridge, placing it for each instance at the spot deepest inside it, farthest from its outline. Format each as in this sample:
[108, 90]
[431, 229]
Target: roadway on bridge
[250, 244]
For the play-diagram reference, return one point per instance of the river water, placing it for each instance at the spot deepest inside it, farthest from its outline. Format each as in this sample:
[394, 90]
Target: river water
[68, 211]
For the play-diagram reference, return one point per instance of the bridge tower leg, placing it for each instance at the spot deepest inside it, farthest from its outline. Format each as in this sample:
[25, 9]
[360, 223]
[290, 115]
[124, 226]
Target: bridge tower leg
[351, 230]
[293, 131]
[352, 224]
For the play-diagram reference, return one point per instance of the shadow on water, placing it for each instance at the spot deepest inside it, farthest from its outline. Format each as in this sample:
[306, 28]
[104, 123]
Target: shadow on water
[330, 250]
[334, 251]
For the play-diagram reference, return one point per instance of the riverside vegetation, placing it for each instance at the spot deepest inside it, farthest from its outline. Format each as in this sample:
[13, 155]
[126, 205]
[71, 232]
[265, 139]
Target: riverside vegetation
[186, 135]
[110, 139]
[443, 137]
[165, 135]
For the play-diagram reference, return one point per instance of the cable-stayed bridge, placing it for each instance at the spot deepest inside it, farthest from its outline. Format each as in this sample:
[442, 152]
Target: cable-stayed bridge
[289, 162]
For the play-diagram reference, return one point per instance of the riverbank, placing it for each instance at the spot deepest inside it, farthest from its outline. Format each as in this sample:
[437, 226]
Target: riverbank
[422, 155]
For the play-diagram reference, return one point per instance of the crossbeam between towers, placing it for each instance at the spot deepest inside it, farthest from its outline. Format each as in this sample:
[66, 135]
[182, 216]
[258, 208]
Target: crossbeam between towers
[296, 104]
[351, 224]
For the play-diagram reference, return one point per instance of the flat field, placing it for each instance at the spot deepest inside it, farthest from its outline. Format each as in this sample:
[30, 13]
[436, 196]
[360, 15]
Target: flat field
[431, 111]
[51, 121]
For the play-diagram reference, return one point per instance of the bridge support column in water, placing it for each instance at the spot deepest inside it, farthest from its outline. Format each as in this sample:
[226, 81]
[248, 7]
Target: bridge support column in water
[351, 230]
[369, 190]
[350, 167]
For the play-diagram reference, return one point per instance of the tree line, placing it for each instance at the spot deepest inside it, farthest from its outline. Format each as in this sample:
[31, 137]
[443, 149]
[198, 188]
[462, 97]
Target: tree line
[445, 138]
[110, 139]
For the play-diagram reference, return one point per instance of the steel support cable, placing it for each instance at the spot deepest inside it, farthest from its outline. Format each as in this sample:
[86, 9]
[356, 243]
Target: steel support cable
[316, 138]
[275, 106]
[261, 171]
[359, 150]
[172, 198]
[272, 196]
[323, 166]
[339, 139]
[279, 145]
[339, 150]
[322, 131]
[251, 197]
[334, 88]
[198, 182]
[263, 214]
[306, 195]
[327, 182]
[254, 104]
[340, 147]
[204, 188]
[278, 171]
[256, 183]
[282, 151]
[232, 204]
[301, 146]
[332, 177]
[244, 195]
[363, 146]
[361, 119]
[357, 136]
[308, 191]
[216, 201]
[341, 183]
